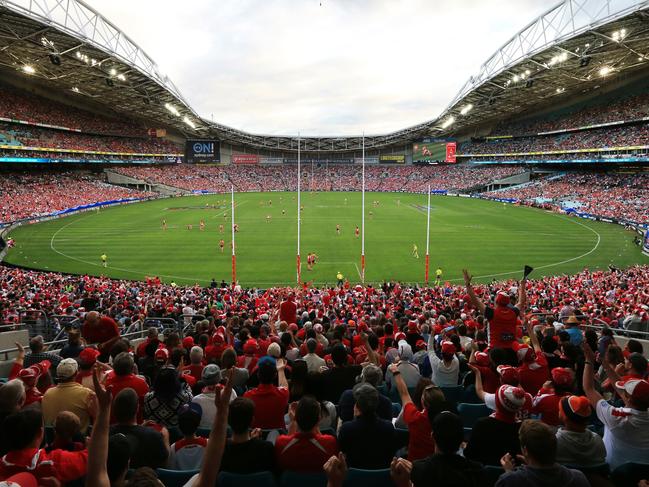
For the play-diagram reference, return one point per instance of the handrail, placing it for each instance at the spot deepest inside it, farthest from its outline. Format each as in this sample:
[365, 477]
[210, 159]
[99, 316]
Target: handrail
[48, 345]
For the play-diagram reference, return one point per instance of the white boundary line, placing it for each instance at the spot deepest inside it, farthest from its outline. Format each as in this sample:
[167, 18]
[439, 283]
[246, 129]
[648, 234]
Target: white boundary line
[131, 271]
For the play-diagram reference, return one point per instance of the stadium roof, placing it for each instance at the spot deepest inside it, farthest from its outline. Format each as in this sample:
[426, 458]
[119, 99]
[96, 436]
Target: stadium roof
[572, 48]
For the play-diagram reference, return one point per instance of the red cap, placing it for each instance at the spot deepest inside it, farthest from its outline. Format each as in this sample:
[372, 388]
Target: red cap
[293, 327]
[412, 326]
[508, 375]
[525, 354]
[399, 336]
[562, 376]
[482, 359]
[509, 398]
[218, 338]
[89, 355]
[502, 299]
[420, 345]
[636, 388]
[448, 348]
[188, 342]
[162, 354]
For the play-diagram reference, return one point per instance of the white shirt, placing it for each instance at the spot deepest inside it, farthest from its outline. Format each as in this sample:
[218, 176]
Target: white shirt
[444, 375]
[626, 434]
[313, 362]
[206, 401]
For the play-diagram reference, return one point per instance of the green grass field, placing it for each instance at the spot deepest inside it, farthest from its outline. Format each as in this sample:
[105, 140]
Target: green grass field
[491, 239]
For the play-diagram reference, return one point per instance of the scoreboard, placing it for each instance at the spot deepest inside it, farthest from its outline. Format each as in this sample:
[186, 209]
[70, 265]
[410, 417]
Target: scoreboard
[434, 150]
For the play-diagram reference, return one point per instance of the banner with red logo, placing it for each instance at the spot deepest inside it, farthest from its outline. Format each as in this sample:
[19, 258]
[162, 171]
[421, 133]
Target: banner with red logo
[245, 159]
[451, 147]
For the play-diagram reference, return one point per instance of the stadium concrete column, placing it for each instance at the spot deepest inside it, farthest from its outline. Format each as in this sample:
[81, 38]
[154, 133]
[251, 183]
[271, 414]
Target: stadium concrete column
[299, 217]
[363, 218]
[234, 255]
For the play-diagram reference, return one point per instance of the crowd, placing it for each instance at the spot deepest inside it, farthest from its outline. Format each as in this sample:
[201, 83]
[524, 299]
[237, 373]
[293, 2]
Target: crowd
[612, 195]
[431, 383]
[17, 135]
[30, 193]
[320, 177]
[21, 105]
[625, 136]
[605, 110]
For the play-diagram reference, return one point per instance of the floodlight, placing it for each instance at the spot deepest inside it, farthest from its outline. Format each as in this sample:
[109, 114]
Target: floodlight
[27, 68]
[605, 71]
[189, 122]
[466, 109]
[448, 122]
[172, 109]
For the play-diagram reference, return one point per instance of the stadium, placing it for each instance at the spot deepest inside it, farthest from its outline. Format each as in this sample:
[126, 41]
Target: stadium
[464, 301]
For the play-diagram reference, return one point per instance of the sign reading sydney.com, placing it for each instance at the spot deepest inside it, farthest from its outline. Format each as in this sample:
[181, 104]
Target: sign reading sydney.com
[202, 151]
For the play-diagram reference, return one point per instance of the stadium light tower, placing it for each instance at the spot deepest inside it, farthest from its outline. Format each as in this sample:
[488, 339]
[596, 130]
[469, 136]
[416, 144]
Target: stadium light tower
[363, 218]
[234, 255]
[299, 176]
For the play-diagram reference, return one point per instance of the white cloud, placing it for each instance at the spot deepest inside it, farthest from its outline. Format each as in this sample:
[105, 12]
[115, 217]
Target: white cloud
[320, 66]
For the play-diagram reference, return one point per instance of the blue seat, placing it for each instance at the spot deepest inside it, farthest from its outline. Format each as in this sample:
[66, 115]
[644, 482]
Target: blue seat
[629, 474]
[301, 479]
[453, 394]
[175, 478]
[467, 434]
[259, 479]
[492, 474]
[402, 437]
[471, 413]
[357, 477]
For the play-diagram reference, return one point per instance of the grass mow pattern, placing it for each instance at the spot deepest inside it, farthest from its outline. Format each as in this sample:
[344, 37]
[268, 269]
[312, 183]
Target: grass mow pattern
[492, 239]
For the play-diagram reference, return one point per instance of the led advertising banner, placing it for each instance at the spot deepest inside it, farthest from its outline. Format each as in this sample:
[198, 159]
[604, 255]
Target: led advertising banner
[245, 159]
[202, 151]
[392, 159]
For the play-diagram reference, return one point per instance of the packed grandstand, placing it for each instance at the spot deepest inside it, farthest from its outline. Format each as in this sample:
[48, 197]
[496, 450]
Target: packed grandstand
[512, 382]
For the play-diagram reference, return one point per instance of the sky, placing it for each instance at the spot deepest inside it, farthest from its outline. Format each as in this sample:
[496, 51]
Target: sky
[320, 67]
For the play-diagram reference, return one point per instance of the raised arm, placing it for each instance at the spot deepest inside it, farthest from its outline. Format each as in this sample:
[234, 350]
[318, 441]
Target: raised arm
[534, 339]
[281, 373]
[216, 441]
[589, 376]
[522, 296]
[475, 300]
[98, 445]
[402, 389]
[479, 390]
[372, 356]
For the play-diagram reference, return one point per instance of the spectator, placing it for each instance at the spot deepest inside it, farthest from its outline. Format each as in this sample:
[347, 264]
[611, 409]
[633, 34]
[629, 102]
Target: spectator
[148, 447]
[576, 444]
[101, 330]
[211, 376]
[372, 375]
[165, 399]
[270, 401]
[539, 447]
[626, 430]
[496, 435]
[25, 433]
[313, 361]
[246, 452]
[73, 348]
[68, 395]
[445, 371]
[187, 453]
[67, 433]
[38, 353]
[368, 441]
[122, 377]
[12, 399]
[546, 403]
[239, 375]
[304, 449]
[196, 365]
[341, 377]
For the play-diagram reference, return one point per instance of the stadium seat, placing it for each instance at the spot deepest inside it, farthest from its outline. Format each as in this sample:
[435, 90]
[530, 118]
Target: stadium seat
[259, 479]
[175, 478]
[402, 437]
[301, 479]
[357, 477]
[602, 469]
[453, 394]
[471, 413]
[629, 474]
[492, 473]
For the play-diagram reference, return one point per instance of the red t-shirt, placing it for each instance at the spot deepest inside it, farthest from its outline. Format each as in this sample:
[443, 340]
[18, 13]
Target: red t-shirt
[547, 405]
[420, 442]
[288, 312]
[304, 452]
[214, 352]
[102, 332]
[533, 375]
[64, 465]
[503, 321]
[121, 382]
[196, 371]
[270, 406]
